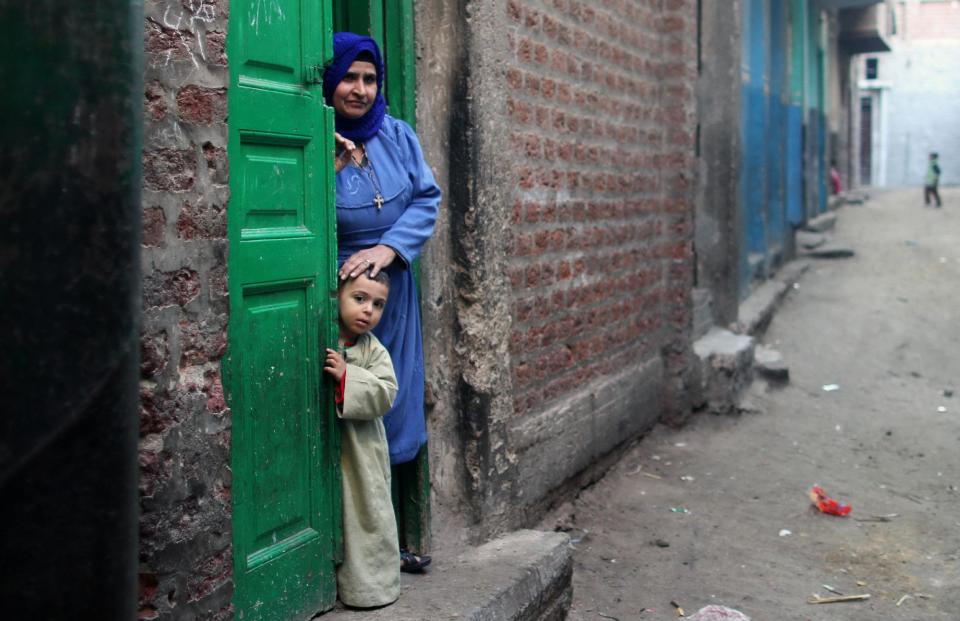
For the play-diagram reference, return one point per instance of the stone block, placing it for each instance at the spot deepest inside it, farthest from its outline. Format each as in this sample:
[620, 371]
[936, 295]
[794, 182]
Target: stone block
[726, 361]
[757, 310]
[823, 222]
[769, 364]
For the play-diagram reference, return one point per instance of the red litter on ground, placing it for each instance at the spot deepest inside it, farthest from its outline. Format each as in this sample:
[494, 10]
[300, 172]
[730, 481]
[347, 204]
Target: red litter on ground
[827, 504]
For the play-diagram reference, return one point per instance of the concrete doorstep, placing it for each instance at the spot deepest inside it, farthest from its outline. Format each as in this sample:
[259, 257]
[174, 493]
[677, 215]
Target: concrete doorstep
[525, 575]
[728, 358]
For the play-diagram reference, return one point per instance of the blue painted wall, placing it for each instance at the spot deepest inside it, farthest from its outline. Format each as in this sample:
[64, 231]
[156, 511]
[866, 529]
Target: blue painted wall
[777, 130]
[754, 120]
[794, 165]
[783, 133]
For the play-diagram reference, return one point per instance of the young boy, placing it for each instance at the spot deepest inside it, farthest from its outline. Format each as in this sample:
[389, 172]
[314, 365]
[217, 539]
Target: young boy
[931, 182]
[365, 389]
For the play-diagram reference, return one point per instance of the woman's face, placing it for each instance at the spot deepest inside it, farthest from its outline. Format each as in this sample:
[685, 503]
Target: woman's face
[355, 94]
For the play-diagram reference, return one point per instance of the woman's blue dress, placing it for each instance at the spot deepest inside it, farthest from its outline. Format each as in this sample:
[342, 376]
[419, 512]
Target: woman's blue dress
[404, 222]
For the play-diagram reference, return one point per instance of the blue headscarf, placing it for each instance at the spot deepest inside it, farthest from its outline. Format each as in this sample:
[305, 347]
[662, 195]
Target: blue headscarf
[346, 47]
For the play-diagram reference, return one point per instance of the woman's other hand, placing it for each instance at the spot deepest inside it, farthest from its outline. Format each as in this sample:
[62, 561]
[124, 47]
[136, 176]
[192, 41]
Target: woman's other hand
[375, 259]
[335, 365]
[345, 149]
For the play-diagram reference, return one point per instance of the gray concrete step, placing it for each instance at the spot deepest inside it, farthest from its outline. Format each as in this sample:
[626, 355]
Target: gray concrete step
[525, 575]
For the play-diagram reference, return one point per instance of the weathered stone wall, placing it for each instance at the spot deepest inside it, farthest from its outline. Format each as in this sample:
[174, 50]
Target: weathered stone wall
[718, 226]
[567, 136]
[185, 562]
[600, 104]
[439, 31]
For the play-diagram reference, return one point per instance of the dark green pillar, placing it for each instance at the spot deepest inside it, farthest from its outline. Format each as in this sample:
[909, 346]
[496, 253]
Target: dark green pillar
[69, 307]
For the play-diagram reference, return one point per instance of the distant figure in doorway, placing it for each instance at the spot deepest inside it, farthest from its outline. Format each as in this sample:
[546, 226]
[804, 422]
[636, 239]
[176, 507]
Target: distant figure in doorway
[932, 181]
[835, 187]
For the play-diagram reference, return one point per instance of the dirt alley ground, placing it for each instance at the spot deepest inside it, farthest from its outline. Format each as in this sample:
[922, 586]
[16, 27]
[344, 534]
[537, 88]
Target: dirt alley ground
[885, 327]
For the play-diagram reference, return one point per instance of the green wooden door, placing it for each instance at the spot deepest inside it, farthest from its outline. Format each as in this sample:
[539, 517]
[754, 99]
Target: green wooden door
[285, 453]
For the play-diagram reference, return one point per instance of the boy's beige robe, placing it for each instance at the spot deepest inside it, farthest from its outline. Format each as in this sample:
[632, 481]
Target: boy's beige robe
[370, 573]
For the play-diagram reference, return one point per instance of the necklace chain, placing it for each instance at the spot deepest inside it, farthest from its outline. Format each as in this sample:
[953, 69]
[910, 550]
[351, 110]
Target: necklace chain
[366, 166]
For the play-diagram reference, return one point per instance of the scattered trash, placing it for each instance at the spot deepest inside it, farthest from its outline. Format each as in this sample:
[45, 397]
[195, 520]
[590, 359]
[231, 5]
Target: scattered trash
[608, 616]
[861, 583]
[816, 599]
[941, 409]
[652, 476]
[680, 444]
[879, 518]
[947, 392]
[784, 533]
[655, 457]
[718, 613]
[831, 589]
[679, 610]
[901, 600]
[830, 387]
[660, 543]
[827, 504]
[680, 509]
[635, 471]
[687, 477]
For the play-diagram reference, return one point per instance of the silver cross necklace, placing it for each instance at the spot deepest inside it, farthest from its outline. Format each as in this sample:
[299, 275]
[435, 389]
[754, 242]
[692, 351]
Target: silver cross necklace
[364, 164]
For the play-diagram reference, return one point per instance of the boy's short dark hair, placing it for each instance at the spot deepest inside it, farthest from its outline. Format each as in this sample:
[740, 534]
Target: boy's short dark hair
[382, 277]
[934, 154]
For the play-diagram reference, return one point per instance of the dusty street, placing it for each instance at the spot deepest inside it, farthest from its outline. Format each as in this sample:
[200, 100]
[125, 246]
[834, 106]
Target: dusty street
[882, 326]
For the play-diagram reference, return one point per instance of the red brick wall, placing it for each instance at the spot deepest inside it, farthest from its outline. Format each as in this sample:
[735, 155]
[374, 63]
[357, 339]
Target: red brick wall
[601, 112]
[185, 554]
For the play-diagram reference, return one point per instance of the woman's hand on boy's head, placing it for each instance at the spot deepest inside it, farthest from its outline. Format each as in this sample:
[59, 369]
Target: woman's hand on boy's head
[335, 365]
[373, 259]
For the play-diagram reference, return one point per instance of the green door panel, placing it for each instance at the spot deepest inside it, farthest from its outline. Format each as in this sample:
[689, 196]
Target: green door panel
[285, 451]
[359, 16]
[398, 49]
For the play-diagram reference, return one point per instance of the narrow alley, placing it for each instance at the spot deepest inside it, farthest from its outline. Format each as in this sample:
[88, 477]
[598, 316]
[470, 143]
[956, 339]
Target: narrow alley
[718, 513]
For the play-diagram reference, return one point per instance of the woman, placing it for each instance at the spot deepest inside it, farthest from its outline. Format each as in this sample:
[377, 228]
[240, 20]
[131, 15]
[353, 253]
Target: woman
[387, 203]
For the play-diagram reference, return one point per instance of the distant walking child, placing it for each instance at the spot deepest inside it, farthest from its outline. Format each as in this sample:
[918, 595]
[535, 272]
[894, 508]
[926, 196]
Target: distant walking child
[932, 181]
[366, 388]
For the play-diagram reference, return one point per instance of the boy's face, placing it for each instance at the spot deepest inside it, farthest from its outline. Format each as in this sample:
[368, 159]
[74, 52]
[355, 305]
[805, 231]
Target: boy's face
[361, 305]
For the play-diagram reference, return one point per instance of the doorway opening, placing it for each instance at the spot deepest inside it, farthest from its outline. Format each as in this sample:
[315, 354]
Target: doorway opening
[391, 24]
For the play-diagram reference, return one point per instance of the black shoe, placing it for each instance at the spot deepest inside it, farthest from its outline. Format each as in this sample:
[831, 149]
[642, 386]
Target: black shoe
[413, 564]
